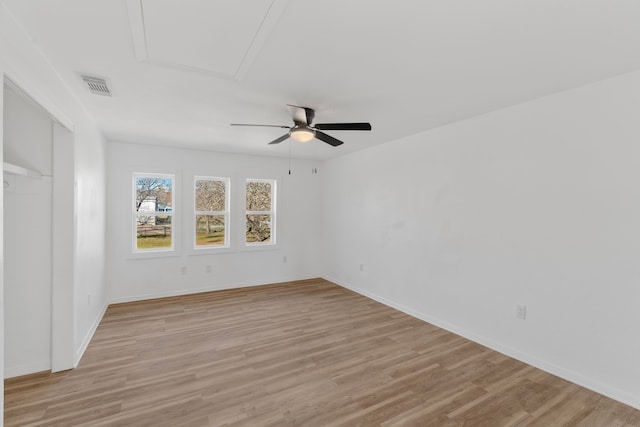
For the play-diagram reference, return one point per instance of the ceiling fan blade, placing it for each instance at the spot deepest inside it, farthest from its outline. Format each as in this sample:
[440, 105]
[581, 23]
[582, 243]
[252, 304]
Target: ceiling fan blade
[328, 139]
[268, 126]
[343, 126]
[301, 115]
[279, 140]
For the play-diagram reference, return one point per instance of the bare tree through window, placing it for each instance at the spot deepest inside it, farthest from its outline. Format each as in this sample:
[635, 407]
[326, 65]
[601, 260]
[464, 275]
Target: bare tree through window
[211, 208]
[153, 211]
[260, 211]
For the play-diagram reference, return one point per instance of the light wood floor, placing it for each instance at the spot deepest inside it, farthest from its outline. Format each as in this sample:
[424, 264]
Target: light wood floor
[306, 353]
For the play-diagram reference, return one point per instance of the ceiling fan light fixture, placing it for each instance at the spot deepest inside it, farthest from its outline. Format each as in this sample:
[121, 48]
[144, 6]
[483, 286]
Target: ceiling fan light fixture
[302, 134]
[302, 131]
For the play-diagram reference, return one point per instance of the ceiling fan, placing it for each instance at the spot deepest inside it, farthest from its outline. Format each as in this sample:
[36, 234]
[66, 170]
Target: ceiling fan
[302, 131]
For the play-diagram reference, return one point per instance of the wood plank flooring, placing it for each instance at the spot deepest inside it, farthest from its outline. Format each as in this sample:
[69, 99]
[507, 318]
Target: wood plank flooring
[306, 353]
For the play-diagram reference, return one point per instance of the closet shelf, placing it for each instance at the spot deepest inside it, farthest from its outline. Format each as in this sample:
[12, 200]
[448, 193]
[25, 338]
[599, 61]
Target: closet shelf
[19, 170]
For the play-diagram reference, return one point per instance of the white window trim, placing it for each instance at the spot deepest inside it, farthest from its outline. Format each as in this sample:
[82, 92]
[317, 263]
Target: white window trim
[154, 252]
[273, 244]
[227, 217]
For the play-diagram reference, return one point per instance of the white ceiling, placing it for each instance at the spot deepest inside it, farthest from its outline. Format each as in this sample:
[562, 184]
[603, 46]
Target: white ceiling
[182, 70]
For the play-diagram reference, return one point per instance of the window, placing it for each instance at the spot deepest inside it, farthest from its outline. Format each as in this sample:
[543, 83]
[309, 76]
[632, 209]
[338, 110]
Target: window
[153, 212]
[260, 211]
[211, 212]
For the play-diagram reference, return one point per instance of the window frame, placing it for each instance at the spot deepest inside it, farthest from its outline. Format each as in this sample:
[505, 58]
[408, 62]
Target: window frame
[161, 251]
[272, 212]
[226, 213]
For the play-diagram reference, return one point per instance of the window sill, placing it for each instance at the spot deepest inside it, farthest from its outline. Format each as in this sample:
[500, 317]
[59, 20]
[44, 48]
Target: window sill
[211, 250]
[260, 247]
[151, 254]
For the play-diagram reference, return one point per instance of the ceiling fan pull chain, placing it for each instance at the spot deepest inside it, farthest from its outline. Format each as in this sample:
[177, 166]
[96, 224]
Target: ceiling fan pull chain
[289, 157]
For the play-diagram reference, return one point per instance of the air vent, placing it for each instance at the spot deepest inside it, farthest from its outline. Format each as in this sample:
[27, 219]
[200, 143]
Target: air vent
[96, 85]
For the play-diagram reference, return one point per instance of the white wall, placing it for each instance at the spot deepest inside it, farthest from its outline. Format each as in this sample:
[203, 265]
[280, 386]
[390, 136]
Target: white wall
[23, 62]
[27, 131]
[298, 211]
[90, 290]
[2, 314]
[63, 224]
[27, 237]
[537, 204]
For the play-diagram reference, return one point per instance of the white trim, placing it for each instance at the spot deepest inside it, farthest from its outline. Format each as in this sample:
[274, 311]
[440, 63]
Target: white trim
[258, 246]
[175, 235]
[136, 25]
[273, 241]
[26, 369]
[567, 374]
[87, 339]
[212, 249]
[269, 23]
[190, 291]
[19, 170]
[135, 12]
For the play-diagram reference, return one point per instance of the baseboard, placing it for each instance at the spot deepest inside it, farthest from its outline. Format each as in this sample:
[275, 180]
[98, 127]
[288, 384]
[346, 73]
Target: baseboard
[190, 291]
[559, 371]
[87, 339]
[26, 369]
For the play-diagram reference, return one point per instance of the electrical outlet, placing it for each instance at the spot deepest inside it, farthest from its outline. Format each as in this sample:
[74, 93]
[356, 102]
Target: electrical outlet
[284, 258]
[521, 312]
[183, 270]
[362, 267]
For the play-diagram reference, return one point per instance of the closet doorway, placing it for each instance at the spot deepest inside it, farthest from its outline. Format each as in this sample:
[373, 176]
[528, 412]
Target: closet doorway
[31, 190]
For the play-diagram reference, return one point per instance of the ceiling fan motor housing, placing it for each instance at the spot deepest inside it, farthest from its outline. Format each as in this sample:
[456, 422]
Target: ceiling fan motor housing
[302, 131]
